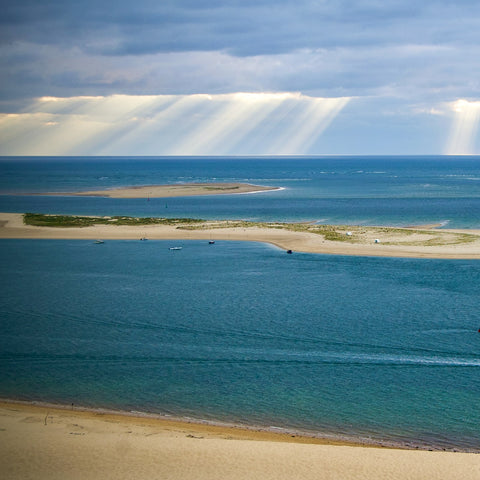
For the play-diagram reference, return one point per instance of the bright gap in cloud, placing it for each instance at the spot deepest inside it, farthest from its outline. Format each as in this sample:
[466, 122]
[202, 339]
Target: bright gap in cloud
[237, 123]
[464, 128]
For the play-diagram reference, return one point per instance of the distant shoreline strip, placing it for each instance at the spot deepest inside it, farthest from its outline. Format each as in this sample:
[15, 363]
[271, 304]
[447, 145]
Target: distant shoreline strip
[298, 237]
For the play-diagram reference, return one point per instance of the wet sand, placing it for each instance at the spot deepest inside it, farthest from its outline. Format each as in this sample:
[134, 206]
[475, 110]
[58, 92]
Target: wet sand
[44, 442]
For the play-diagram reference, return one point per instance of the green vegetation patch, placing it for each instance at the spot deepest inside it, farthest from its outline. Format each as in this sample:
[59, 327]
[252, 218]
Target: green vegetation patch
[42, 220]
[235, 187]
[335, 233]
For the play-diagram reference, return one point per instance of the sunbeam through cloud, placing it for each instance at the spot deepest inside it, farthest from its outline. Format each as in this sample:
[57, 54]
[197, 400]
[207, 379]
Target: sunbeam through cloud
[199, 124]
[464, 129]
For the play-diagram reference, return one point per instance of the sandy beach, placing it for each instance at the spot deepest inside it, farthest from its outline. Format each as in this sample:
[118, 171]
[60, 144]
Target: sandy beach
[176, 190]
[44, 442]
[347, 240]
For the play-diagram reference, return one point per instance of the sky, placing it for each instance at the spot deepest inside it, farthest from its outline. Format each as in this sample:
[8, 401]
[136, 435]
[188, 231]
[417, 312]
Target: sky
[239, 77]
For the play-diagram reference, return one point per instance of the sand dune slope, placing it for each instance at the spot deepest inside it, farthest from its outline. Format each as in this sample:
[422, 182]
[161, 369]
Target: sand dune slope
[44, 443]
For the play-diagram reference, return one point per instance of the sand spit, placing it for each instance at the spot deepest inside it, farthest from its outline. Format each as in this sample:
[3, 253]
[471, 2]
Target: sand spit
[311, 238]
[176, 190]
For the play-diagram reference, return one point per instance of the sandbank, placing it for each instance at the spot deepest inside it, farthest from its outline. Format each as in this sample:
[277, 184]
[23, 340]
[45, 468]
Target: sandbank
[176, 190]
[44, 442]
[337, 240]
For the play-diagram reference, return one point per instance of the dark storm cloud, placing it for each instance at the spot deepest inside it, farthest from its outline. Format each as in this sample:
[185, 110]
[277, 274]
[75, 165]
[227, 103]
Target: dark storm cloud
[239, 27]
[319, 47]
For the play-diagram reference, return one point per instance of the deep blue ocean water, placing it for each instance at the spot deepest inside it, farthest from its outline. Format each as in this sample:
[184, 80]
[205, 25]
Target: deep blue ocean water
[380, 349]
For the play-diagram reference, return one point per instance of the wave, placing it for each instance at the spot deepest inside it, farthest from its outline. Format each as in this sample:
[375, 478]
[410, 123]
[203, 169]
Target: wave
[246, 357]
[389, 359]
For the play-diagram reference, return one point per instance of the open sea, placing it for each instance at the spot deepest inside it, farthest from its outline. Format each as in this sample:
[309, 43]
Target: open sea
[381, 350]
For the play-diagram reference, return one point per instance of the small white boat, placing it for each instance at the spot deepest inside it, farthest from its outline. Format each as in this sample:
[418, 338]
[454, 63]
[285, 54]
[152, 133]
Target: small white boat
[98, 241]
[143, 239]
[175, 248]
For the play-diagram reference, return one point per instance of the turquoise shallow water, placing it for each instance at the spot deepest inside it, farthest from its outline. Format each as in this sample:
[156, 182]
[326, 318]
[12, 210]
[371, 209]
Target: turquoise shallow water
[363, 348]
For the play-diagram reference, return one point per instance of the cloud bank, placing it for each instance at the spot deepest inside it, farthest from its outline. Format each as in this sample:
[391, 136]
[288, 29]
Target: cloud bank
[402, 61]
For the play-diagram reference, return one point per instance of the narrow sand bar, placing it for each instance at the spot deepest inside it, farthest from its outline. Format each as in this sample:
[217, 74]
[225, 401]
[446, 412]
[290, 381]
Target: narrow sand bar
[44, 442]
[338, 240]
[176, 190]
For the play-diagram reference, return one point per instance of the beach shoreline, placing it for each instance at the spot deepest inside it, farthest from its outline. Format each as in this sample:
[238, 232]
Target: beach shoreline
[47, 441]
[207, 427]
[335, 240]
[271, 433]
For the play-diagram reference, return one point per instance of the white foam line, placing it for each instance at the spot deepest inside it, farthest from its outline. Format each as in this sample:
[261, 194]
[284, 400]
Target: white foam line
[261, 191]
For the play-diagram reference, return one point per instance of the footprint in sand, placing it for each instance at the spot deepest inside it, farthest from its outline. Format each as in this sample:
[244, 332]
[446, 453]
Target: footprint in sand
[31, 420]
[76, 429]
